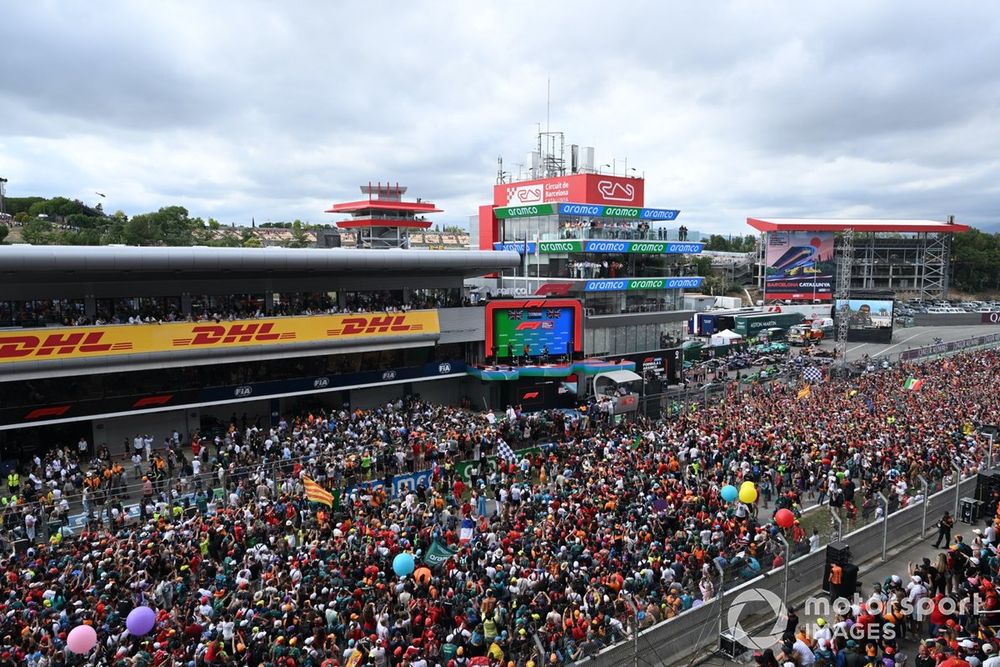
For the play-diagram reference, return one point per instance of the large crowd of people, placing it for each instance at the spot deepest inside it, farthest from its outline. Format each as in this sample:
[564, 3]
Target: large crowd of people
[43, 313]
[555, 552]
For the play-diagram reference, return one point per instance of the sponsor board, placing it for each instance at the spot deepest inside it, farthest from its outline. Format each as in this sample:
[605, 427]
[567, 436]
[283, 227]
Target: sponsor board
[89, 342]
[799, 266]
[587, 211]
[625, 247]
[595, 246]
[623, 284]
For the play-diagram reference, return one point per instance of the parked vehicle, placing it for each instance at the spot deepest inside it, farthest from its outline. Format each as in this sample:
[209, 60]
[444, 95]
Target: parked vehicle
[802, 335]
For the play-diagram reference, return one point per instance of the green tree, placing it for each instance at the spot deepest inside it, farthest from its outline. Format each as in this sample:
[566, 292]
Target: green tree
[4, 231]
[299, 238]
[37, 232]
[141, 229]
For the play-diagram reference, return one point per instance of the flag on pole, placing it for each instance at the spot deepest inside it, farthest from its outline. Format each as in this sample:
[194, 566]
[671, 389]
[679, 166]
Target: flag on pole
[913, 384]
[805, 391]
[316, 493]
[871, 404]
[506, 453]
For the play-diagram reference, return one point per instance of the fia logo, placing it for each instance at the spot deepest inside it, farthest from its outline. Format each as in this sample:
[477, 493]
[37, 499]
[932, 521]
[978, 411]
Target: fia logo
[243, 392]
[321, 383]
[444, 368]
[388, 376]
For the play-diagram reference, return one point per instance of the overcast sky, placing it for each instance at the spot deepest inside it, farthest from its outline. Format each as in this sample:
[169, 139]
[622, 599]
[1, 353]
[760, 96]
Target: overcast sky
[274, 110]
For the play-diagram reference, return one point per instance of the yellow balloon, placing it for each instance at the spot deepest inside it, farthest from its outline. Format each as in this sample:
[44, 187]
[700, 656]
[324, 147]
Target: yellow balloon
[748, 494]
[747, 485]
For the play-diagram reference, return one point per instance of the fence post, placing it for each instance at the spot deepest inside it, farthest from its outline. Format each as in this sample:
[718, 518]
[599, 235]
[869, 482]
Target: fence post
[788, 556]
[958, 487]
[885, 523]
[923, 521]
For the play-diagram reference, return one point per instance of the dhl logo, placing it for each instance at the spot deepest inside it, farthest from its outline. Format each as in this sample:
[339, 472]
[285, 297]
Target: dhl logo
[352, 326]
[218, 334]
[57, 345]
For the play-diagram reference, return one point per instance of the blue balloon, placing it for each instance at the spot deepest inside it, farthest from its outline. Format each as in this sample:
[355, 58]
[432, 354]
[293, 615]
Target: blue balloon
[730, 493]
[403, 564]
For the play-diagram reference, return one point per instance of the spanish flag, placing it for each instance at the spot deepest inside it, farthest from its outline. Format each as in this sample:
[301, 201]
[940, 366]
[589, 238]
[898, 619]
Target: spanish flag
[805, 391]
[317, 494]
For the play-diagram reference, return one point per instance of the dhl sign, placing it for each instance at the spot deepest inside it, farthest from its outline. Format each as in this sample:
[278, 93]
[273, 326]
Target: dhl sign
[84, 342]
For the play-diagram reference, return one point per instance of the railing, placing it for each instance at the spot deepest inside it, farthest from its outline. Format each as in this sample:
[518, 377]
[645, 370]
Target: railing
[699, 628]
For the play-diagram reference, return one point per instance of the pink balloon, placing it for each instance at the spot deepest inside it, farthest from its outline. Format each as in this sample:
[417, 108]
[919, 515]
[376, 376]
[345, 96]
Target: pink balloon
[81, 639]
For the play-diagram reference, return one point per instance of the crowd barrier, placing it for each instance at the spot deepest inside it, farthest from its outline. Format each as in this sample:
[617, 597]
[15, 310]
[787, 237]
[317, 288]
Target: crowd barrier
[928, 351]
[697, 630]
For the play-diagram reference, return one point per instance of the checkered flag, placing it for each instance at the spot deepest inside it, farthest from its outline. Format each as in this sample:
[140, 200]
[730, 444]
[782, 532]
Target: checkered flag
[812, 374]
[506, 453]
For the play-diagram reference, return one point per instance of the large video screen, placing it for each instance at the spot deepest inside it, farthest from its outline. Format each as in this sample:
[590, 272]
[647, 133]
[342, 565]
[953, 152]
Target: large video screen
[800, 266]
[866, 313]
[553, 326]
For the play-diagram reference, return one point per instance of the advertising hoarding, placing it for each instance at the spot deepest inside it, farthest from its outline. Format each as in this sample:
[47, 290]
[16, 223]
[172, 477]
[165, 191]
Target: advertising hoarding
[799, 266]
[629, 284]
[116, 340]
[587, 210]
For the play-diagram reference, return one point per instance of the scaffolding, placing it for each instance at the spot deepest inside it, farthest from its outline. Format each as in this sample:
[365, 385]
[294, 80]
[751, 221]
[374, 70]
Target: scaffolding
[842, 294]
[914, 264]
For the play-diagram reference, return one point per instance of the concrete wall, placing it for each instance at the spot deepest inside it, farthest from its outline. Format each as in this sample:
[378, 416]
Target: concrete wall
[159, 425]
[698, 629]
[946, 319]
[460, 325]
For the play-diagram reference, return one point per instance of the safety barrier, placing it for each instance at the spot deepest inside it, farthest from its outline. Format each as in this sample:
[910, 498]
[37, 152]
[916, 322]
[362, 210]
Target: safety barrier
[698, 629]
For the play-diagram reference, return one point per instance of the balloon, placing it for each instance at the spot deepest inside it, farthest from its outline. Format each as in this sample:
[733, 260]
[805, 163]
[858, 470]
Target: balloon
[403, 564]
[81, 639]
[422, 575]
[697, 603]
[729, 493]
[746, 485]
[784, 518]
[140, 621]
[748, 494]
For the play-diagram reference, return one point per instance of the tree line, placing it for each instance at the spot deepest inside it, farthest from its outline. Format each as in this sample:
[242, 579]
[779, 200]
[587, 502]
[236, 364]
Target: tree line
[63, 221]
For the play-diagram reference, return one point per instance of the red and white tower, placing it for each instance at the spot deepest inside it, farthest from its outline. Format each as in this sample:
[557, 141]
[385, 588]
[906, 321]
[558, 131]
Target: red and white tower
[384, 220]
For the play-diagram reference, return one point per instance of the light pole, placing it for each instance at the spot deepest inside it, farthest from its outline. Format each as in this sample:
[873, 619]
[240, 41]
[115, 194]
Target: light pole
[839, 522]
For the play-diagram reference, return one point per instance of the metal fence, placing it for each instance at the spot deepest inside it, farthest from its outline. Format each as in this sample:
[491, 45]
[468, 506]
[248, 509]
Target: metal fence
[698, 629]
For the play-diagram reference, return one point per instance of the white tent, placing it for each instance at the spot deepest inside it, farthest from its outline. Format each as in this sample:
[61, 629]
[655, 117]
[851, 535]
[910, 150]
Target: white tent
[726, 337]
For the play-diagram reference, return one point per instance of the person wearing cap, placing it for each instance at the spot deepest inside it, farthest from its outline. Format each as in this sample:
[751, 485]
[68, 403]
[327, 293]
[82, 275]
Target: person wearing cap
[991, 658]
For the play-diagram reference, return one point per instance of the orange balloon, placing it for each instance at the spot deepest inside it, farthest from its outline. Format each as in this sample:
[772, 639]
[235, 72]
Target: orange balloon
[422, 575]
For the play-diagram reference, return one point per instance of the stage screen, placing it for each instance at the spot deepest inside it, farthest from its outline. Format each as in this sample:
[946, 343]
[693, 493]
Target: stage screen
[866, 313]
[554, 325]
[799, 266]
